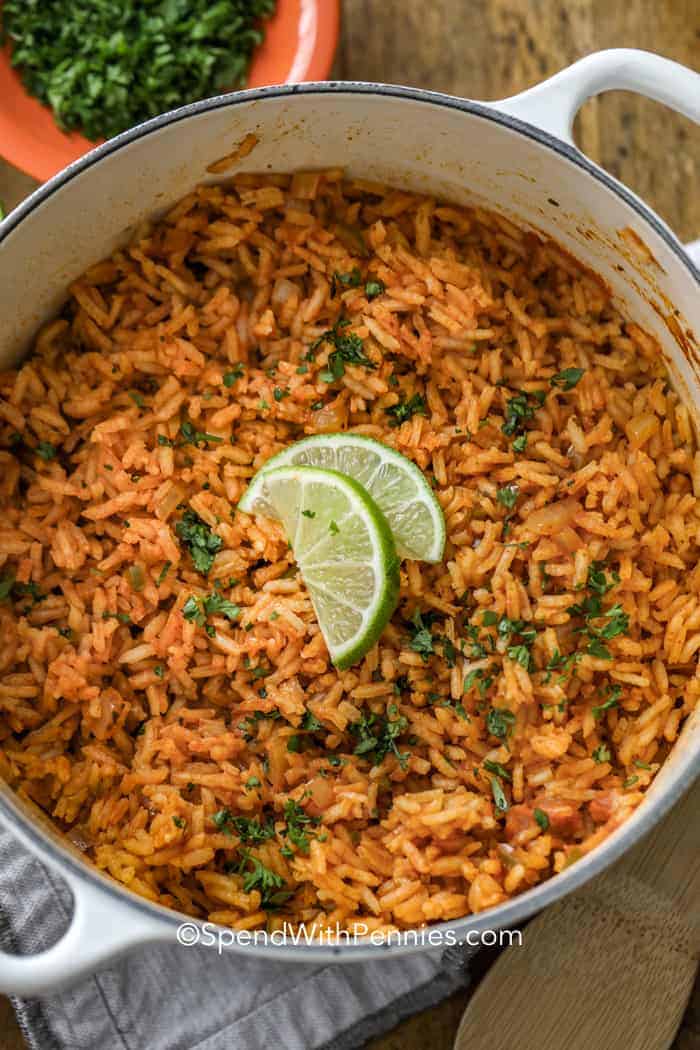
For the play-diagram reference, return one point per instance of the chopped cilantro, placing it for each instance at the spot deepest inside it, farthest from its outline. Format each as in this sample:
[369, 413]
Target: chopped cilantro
[499, 797]
[421, 638]
[374, 288]
[405, 410]
[612, 701]
[267, 882]
[498, 769]
[198, 438]
[249, 829]
[201, 542]
[378, 736]
[508, 496]
[46, 450]
[349, 349]
[519, 409]
[298, 825]
[163, 573]
[542, 819]
[235, 373]
[500, 722]
[353, 279]
[567, 378]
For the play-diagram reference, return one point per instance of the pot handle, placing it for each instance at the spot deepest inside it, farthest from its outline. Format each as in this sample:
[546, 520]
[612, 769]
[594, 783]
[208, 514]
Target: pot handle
[553, 104]
[102, 928]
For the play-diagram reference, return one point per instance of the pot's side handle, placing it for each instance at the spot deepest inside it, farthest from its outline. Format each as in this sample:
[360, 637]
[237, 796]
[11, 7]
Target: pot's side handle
[693, 250]
[102, 928]
[553, 104]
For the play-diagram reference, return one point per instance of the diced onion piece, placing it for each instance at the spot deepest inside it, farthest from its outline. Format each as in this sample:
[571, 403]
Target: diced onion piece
[553, 518]
[640, 428]
[283, 291]
[331, 418]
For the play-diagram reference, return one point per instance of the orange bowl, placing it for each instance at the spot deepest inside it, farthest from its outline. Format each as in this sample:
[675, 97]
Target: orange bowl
[300, 41]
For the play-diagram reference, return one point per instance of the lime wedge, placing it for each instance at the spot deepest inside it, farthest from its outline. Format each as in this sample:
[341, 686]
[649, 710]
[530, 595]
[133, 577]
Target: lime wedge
[396, 485]
[345, 551]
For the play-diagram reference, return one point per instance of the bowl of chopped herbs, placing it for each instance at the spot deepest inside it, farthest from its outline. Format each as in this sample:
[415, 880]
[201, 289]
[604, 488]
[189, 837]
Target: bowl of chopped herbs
[73, 73]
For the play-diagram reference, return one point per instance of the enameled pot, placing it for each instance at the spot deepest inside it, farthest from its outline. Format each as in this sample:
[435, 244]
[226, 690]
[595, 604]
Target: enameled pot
[515, 156]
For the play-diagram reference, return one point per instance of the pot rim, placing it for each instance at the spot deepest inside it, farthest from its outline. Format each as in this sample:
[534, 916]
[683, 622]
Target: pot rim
[517, 909]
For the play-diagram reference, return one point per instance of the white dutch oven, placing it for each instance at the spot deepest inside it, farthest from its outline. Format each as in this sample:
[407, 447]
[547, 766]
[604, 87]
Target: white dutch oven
[515, 156]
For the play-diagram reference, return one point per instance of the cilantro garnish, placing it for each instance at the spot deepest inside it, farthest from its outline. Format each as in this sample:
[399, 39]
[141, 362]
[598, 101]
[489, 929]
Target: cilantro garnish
[164, 572]
[46, 450]
[519, 409]
[349, 349]
[196, 609]
[497, 768]
[298, 824]
[508, 496]
[499, 798]
[500, 722]
[198, 438]
[378, 736]
[249, 829]
[612, 700]
[235, 373]
[374, 288]
[567, 378]
[421, 638]
[398, 414]
[542, 819]
[201, 542]
[268, 883]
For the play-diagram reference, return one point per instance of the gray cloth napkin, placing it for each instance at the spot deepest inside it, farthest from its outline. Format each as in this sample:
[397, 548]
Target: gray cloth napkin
[174, 998]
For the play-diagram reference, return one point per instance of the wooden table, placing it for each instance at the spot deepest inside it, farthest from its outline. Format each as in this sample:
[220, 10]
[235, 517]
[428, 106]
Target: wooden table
[489, 49]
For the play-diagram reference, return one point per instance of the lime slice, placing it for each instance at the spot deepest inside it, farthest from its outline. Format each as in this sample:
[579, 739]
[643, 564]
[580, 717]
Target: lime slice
[396, 485]
[345, 551]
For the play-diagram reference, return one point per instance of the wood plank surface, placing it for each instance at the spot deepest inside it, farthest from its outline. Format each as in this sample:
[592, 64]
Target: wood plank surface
[489, 49]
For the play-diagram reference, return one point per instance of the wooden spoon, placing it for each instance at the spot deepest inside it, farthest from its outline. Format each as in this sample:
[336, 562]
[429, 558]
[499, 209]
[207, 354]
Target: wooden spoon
[610, 967]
